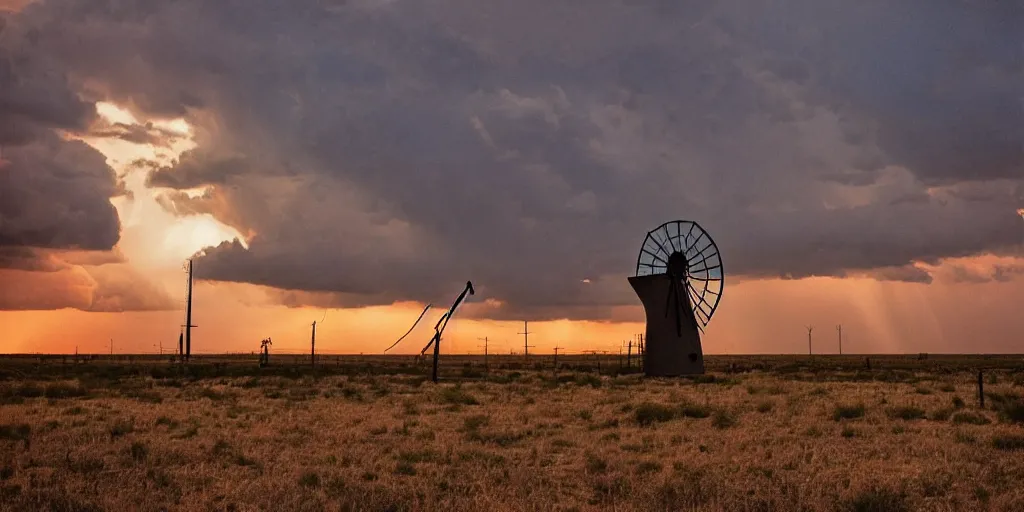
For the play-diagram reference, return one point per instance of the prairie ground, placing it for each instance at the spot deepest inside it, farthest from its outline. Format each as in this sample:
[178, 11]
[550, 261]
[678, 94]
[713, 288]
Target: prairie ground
[754, 434]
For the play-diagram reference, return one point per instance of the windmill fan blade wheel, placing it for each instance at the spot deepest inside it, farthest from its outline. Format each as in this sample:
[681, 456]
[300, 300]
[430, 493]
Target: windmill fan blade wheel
[683, 248]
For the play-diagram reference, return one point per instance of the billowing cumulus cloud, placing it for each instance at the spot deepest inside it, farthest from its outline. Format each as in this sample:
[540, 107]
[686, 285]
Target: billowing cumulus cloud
[386, 151]
[58, 228]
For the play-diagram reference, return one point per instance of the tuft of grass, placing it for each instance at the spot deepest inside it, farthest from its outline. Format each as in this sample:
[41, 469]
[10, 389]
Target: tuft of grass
[876, 499]
[688, 410]
[970, 418]
[474, 422]
[848, 432]
[1012, 412]
[724, 419]
[139, 451]
[848, 412]
[309, 479]
[457, 396]
[120, 428]
[941, 414]
[649, 413]
[595, 464]
[905, 412]
[648, 466]
[958, 403]
[1008, 442]
[405, 468]
[19, 432]
[765, 406]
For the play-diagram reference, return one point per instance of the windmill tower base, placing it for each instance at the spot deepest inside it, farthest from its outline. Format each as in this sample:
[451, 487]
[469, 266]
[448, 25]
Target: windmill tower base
[667, 352]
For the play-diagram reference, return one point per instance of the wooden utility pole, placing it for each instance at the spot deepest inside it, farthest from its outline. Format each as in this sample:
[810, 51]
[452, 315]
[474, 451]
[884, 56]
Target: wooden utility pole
[840, 329]
[556, 357]
[809, 329]
[629, 355]
[640, 352]
[486, 341]
[312, 347]
[188, 316]
[526, 340]
[111, 346]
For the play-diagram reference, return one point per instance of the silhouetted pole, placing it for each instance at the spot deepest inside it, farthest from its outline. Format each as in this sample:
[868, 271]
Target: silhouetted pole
[981, 389]
[437, 353]
[526, 340]
[111, 346]
[312, 347]
[809, 329]
[485, 340]
[640, 352]
[556, 357]
[840, 329]
[188, 316]
[629, 355]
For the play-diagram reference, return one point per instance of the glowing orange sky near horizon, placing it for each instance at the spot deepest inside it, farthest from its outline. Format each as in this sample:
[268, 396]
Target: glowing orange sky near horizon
[756, 316]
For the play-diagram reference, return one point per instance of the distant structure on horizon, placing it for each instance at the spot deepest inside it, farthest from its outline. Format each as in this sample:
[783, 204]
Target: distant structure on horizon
[679, 279]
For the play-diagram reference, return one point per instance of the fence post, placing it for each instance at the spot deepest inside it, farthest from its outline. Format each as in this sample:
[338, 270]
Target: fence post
[981, 389]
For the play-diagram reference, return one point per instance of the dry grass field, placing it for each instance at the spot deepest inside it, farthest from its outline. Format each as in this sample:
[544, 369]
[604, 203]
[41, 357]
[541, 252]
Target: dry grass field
[770, 433]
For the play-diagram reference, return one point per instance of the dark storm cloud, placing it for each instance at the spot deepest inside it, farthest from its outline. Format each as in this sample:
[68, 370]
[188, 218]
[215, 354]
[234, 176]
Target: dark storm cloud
[390, 150]
[56, 194]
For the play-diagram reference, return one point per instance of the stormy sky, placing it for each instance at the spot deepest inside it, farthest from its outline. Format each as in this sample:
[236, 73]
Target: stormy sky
[391, 150]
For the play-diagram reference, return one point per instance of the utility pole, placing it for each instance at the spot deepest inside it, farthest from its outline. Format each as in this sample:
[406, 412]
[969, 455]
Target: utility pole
[111, 346]
[526, 340]
[809, 329]
[312, 347]
[629, 355]
[556, 357]
[486, 341]
[640, 354]
[840, 329]
[188, 316]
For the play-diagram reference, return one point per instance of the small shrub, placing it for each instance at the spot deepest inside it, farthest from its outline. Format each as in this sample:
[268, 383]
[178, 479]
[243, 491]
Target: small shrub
[309, 479]
[1012, 412]
[958, 403]
[471, 423]
[595, 464]
[848, 432]
[121, 428]
[404, 468]
[848, 412]
[456, 396]
[139, 451]
[588, 379]
[876, 499]
[688, 410]
[921, 390]
[723, 419]
[585, 415]
[765, 406]
[941, 414]
[20, 432]
[906, 412]
[1008, 442]
[649, 413]
[648, 466]
[221, 447]
[970, 418]
[947, 388]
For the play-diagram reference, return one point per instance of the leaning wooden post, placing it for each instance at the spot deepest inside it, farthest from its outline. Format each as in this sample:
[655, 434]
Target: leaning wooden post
[981, 389]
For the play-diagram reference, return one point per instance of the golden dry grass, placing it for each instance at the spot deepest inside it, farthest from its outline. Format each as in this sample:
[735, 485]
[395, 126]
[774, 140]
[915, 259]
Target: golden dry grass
[750, 441]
